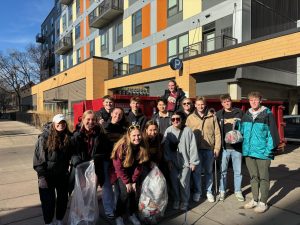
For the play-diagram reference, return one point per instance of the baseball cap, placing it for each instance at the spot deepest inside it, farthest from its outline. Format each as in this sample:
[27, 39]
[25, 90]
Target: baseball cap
[58, 118]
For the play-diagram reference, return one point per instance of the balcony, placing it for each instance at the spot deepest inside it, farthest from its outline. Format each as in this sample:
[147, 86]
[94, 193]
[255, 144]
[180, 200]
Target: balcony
[39, 38]
[63, 46]
[66, 2]
[121, 69]
[105, 13]
[208, 45]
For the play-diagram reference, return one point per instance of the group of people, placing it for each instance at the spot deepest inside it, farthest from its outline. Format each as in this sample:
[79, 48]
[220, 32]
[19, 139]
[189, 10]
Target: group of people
[183, 139]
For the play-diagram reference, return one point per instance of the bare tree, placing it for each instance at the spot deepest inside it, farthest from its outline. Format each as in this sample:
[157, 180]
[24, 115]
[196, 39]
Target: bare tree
[17, 69]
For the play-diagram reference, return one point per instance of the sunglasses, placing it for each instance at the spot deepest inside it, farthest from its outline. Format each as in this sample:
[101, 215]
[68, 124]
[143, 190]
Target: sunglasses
[175, 119]
[132, 127]
[186, 103]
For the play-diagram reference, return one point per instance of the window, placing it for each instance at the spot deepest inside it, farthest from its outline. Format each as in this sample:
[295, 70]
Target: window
[77, 31]
[52, 22]
[57, 28]
[104, 41]
[135, 62]
[70, 15]
[137, 22]
[65, 62]
[77, 8]
[176, 45]
[174, 7]
[92, 47]
[64, 22]
[78, 55]
[52, 38]
[119, 33]
[70, 59]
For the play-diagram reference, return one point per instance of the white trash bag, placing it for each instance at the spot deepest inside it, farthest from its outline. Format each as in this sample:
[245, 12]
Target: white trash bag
[154, 197]
[84, 208]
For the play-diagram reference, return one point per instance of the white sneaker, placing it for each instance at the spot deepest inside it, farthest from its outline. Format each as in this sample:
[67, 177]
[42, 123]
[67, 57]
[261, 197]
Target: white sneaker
[119, 221]
[222, 195]
[210, 197]
[251, 204]
[133, 219]
[261, 207]
[239, 196]
[196, 197]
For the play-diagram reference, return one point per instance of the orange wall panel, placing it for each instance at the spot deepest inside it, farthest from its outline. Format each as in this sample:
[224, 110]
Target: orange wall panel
[81, 6]
[87, 26]
[88, 54]
[146, 57]
[81, 31]
[146, 21]
[161, 14]
[162, 52]
[82, 54]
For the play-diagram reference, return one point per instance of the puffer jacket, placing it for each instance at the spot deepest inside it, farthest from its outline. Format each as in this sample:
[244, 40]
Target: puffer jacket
[180, 97]
[50, 163]
[206, 130]
[260, 135]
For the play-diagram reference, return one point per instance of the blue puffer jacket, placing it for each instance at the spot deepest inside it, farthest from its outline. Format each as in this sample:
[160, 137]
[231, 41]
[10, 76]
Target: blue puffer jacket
[260, 135]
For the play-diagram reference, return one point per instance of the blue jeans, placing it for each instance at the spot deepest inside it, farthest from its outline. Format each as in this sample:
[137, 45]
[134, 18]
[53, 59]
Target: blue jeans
[108, 198]
[206, 163]
[236, 164]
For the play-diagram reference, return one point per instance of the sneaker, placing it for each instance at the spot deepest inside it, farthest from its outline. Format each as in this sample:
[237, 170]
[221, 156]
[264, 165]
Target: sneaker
[134, 220]
[196, 197]
[261, 207]
[210, 197]
[239, 196]
[119, 221]
[222, 195]
[184, 206]
[250, 205]
[176, 205]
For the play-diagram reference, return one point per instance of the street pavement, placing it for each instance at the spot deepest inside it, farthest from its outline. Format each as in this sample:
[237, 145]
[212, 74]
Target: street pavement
[20, 205]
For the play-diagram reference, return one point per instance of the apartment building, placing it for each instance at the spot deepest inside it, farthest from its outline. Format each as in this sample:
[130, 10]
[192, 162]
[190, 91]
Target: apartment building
[125, 46]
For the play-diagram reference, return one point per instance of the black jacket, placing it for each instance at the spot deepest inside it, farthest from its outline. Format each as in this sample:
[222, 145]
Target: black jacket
[51, 163]
[139, 119]
[238, 113]
[102, 113]
[180, 97]
[100, 150]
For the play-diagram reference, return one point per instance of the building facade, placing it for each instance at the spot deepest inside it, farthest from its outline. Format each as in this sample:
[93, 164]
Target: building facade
[139, 38]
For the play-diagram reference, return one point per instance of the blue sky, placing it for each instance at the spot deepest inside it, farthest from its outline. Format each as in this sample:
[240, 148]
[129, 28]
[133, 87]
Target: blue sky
[20, 21]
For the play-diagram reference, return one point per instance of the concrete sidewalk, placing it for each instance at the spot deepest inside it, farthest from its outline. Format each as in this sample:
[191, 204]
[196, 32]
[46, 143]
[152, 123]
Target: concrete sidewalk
[20, 205]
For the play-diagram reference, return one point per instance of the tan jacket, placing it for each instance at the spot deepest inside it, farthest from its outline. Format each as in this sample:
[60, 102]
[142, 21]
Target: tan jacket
[206, 130]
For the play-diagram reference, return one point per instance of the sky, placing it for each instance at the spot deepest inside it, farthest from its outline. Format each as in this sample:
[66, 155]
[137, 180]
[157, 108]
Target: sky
[20, 21]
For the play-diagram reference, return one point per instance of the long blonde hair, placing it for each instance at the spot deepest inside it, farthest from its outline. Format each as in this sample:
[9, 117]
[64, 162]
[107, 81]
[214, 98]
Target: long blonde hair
[124, 148]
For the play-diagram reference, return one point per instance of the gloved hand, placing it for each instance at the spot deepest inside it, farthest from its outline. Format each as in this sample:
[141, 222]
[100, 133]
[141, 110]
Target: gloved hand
[42, 182]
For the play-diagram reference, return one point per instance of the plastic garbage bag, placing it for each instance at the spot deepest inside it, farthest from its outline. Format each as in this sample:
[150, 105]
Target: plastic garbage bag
[84, 208]
[154, 197]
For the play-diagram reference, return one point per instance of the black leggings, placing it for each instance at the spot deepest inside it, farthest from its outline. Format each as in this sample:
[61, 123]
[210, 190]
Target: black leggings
[49, 198]
[127, 202]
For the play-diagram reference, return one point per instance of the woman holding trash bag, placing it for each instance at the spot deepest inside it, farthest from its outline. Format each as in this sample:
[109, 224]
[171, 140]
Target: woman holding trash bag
[91, 143]
[182, 157]
[129, 155]
[51, 162]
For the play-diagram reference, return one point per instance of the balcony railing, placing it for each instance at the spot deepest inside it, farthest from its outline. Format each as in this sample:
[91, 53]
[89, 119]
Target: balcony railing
[63, 45]
[39, 38]
[105, 13]
[66, 2]
[121, 69]
[208, 45]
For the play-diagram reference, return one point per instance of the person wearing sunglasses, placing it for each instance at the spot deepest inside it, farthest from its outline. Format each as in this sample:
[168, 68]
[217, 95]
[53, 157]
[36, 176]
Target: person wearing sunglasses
[128, 156]
[182, 157]
[206, 128]
[187, 108]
